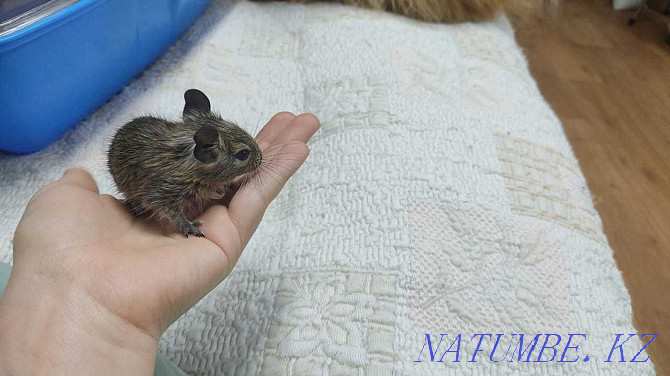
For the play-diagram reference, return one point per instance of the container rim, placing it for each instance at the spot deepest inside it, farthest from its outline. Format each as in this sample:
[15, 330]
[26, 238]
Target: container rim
[33, 15]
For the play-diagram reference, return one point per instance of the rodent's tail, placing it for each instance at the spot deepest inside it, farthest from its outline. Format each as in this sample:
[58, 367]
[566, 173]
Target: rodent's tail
[452, 11]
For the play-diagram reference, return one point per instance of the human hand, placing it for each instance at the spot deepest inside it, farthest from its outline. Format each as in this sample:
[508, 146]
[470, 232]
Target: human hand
[87, 270]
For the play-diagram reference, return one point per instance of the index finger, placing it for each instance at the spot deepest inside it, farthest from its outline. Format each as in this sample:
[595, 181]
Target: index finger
[286, 153]
[250, 201]
[274, 127]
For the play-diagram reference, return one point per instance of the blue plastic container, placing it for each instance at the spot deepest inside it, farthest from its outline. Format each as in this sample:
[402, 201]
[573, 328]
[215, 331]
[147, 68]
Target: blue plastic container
[61, 59]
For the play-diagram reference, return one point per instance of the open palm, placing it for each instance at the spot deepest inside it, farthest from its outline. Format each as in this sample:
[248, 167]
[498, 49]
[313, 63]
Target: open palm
[136, 271]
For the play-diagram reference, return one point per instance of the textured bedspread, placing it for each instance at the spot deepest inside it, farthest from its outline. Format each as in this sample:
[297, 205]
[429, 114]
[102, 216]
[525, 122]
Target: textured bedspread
[441, 197]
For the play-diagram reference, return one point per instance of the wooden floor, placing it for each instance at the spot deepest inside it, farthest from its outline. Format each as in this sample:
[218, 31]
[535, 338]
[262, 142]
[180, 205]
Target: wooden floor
[610, 85]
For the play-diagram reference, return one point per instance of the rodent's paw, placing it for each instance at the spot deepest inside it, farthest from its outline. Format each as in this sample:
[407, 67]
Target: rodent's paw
[227, 189]
[190, 228]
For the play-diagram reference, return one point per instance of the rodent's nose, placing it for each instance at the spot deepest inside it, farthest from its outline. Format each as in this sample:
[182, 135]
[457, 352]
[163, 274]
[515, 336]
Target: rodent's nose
[259, 160]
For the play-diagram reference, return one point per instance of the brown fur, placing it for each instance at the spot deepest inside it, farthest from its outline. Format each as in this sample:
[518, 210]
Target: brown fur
[447, 11]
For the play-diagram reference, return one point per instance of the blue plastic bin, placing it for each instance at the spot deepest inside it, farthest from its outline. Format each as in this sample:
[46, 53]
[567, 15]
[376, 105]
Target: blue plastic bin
[61, 59]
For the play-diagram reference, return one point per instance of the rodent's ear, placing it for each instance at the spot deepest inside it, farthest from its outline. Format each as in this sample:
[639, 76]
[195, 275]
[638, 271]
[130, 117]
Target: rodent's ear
[196, 102]
[206, 144]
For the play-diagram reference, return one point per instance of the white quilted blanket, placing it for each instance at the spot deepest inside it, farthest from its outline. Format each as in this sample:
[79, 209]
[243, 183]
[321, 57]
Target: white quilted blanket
[441, 196]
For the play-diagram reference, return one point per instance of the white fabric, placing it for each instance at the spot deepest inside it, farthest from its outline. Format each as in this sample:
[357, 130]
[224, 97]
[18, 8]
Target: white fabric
[441, 196]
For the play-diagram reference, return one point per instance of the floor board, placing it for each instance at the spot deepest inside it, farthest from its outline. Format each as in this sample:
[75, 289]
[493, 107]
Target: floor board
[609, 83]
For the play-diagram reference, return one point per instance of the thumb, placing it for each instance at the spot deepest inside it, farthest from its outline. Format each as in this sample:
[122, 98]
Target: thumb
[80, 178]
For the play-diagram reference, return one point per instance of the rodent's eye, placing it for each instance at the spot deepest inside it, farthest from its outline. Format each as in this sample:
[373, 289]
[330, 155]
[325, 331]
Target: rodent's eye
[242, 155]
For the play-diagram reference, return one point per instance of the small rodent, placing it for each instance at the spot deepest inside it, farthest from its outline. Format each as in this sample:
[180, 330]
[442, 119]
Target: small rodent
[171, 171]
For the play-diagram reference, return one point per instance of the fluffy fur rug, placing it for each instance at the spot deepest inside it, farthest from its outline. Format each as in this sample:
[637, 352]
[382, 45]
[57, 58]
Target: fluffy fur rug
[448, 11]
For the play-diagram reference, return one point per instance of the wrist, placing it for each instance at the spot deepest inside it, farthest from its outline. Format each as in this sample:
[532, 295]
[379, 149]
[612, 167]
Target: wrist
[49, 328]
